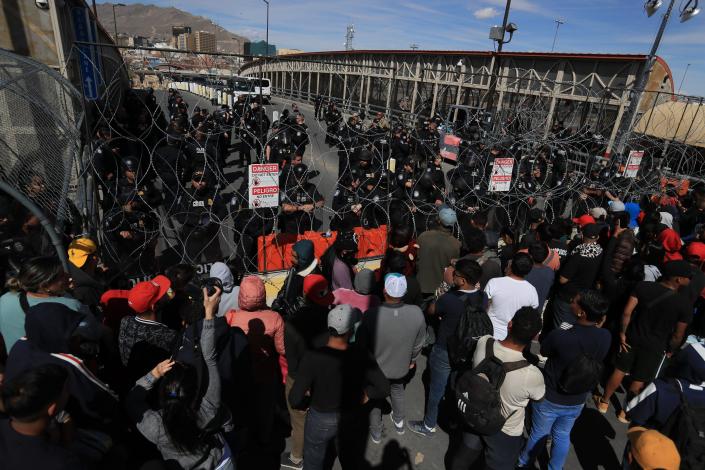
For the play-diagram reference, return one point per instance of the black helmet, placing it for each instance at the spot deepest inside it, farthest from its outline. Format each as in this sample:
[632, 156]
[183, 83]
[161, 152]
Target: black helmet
[275, 124]
[300, 171]
[365, 155]
[129, 164]
[426, 180]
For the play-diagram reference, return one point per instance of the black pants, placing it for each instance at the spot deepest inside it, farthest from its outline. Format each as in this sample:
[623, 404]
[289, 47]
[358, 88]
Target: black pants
[501, 451]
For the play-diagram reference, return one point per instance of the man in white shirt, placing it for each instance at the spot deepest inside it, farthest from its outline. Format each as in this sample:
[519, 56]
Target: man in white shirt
[510, 293]
[519, 387]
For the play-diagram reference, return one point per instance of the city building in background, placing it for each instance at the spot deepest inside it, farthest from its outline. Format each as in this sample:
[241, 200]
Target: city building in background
[177, 31]
[259, 48]
[186, 42]
[204, 42]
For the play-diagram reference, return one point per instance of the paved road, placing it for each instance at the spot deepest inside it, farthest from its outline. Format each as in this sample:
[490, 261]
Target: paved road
[598, 440]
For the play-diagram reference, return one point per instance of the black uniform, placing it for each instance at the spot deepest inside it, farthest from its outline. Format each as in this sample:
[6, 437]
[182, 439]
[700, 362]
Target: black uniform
[257, 124]
[281, 147]
[132, 238]
[170, 163]
[333, 118]
[250, 224]
[299, 136]
[300, 221]
[200, 213]
[347, 205]
[317, 106]
[240, 109]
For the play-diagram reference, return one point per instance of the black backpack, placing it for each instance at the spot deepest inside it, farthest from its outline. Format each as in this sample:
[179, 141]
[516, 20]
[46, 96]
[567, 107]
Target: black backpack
[581, 375]
[686, 427]
[474, 323]
[477, 392]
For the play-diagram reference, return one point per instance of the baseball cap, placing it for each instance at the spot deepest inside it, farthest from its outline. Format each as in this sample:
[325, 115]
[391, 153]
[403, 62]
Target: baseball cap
[447, 216]
[696, 250]
[343, 318]
[652, 450]
[591, 230]
[395, 285]
[80, 249]
[146, 294]
[317, 291]
[598, 212]
[616, 206]
[677, 268]
[584, 220]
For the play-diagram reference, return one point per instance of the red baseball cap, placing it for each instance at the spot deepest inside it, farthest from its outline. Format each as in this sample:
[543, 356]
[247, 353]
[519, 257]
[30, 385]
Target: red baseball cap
[146, 294]
[584, 220]
[316, 290]
[696, 250]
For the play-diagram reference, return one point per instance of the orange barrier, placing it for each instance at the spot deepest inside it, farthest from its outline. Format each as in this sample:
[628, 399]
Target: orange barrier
[276, 248]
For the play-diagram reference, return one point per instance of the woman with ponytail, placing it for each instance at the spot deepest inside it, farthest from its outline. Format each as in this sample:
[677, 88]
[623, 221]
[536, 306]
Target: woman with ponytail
[185, 429]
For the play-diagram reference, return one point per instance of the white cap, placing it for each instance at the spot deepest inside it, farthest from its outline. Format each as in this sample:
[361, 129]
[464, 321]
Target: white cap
[395, 285]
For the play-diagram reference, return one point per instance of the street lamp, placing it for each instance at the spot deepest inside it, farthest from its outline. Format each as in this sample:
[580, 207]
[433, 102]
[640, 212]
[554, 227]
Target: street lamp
[115, 20]
[498, 34]
[267, 34]
[689, 10]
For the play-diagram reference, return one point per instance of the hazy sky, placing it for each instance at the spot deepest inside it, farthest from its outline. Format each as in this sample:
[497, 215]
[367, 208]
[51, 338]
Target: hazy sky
[608, 26]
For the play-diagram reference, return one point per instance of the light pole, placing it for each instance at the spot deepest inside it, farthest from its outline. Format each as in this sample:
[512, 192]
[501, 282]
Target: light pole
[267, 33]
[689, 10]
[559, 22]
[115, 20]
[497, 34]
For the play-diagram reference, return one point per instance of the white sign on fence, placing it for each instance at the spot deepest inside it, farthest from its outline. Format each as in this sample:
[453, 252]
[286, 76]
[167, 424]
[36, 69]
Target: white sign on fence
[264, 185]
[633, 163]
[501, 177]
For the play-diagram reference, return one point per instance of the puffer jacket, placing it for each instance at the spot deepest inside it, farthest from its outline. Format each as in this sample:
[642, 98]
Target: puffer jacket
[264, 329]
[623, 251]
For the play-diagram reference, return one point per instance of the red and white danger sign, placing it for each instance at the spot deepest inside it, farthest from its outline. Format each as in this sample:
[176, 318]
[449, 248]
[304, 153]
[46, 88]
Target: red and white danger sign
[501, 177]
[264, 185]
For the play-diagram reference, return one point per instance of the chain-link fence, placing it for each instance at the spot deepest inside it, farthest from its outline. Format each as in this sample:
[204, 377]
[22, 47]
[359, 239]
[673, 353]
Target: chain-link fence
[40, 137]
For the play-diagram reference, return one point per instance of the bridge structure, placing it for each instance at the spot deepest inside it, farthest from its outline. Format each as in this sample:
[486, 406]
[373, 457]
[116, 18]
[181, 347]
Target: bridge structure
[582, 91]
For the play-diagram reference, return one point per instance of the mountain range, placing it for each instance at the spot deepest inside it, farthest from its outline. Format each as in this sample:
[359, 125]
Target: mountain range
[155, 23]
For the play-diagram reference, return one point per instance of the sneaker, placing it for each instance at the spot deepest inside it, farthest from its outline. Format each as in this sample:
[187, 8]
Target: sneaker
[622, 417]
[601, 406]
[398, 426]
[376, 436]
[420, 428]
[287, 462]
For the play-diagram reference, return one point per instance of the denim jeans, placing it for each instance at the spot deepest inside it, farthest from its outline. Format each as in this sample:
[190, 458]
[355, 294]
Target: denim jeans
[320, 430]
[397, 395]
[556, 420]
[440, 371]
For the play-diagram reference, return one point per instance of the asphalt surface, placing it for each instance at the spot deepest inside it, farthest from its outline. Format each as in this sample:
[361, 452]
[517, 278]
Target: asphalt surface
[597, 440]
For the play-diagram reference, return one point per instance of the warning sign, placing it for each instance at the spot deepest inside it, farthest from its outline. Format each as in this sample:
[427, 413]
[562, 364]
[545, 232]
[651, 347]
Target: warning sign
[633, 163]
[264, 185]
[501, 177]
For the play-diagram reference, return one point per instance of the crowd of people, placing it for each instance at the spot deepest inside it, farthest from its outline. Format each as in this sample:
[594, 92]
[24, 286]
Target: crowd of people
[522, 323]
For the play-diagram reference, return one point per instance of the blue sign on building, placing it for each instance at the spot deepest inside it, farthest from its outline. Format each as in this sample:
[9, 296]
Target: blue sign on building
[88, 58]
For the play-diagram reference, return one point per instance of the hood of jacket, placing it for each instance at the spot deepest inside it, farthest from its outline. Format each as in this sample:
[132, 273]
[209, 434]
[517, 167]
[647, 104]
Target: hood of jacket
[588, 250]
[222, 272]
[252, 295]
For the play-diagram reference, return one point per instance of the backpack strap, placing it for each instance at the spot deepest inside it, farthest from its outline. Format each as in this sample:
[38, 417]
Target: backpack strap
[660, 298]
[24, 303]
[516, 365]
[489, 348]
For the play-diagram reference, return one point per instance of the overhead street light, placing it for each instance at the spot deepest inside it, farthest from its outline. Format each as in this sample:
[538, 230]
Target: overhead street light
[497, 34]
[267, 34]
[688, 11]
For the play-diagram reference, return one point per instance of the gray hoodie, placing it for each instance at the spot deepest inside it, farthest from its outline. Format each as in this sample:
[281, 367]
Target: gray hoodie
[228, 300]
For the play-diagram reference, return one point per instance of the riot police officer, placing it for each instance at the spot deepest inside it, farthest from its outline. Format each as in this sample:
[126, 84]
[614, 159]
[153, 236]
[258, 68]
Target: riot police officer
[279, 148]
[257, 125]
[299, 202]
[333, 119]
[249, 225]
[299, 135]
[347, 202]
[286, 176]
[135, 193]
[132, 237]
[170, 163]
[317, 107]
[240, 109]
[201, 211]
